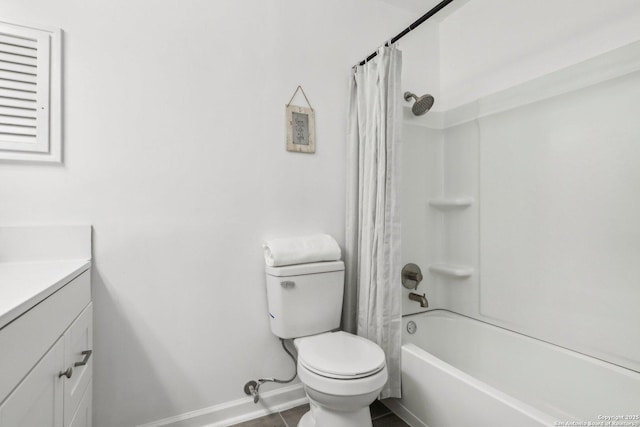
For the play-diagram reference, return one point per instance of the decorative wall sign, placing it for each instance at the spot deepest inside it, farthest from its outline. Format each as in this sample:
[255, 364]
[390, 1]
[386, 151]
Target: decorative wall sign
[300, 122]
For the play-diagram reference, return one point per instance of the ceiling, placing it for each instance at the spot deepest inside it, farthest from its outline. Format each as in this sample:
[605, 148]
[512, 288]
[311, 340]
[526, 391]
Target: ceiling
[420, 7]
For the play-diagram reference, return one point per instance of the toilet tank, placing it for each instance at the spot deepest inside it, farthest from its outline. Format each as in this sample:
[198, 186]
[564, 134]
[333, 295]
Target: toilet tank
[305, 299]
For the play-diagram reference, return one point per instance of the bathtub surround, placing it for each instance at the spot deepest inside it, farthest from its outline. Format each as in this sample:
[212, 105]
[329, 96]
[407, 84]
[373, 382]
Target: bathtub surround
[524, 213]
[539, 161]
[372, 218]
[181, 191]
[545, 163]
[548, 228]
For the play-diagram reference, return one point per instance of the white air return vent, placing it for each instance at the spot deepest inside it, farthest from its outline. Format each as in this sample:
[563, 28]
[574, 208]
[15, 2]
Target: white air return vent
[30, 83]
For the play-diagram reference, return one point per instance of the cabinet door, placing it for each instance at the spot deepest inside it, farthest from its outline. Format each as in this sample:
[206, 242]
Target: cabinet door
[82, 417]
[78, 339]
[37, 400]
[27, 338]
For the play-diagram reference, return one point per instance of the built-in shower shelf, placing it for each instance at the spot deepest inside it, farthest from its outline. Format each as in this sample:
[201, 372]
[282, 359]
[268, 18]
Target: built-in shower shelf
[451, 203]
[451, 270]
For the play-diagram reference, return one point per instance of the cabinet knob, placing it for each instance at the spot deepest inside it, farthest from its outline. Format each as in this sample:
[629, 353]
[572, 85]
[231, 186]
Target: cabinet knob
[66, 373]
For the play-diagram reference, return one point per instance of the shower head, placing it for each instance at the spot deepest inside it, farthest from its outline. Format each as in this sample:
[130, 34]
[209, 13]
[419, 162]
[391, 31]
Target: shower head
[422, 104]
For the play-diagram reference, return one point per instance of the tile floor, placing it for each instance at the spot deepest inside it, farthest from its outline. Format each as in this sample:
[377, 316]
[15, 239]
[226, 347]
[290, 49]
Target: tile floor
[380, 414]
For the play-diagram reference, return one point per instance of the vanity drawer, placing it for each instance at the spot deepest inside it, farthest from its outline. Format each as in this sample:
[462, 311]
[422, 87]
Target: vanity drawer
[26, 339]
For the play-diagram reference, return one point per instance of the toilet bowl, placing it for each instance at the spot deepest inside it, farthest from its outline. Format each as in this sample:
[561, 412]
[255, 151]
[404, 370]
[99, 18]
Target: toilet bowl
[342, 375]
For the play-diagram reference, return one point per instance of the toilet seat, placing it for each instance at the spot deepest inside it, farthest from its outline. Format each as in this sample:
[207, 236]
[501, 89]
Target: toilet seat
[347, 388]
[340, 355]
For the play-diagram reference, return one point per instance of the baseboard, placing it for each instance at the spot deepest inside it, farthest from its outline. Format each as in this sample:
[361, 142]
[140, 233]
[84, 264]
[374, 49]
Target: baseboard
[402, 412]
[237, 411]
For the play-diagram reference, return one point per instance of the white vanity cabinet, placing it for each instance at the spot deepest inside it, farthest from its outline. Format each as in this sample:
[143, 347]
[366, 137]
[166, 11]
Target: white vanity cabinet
[46, 359]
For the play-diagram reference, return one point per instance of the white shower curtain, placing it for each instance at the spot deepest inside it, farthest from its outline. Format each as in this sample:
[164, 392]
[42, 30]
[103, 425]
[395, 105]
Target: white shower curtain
[373, 285]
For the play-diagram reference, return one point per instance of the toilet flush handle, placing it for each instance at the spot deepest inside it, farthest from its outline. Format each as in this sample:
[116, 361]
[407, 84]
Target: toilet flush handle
[287, 284]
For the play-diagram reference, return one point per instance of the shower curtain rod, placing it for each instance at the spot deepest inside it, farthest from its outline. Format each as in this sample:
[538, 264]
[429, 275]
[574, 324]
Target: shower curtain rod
[437, 8]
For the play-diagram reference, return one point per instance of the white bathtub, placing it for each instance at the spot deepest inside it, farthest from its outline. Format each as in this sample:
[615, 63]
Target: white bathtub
[458, 372]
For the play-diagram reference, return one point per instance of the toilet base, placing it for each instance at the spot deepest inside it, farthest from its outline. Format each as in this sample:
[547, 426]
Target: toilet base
[319, 416]
[307, 420]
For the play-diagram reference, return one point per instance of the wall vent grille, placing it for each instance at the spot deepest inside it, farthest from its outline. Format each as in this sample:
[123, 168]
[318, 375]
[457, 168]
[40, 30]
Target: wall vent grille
[29, 93]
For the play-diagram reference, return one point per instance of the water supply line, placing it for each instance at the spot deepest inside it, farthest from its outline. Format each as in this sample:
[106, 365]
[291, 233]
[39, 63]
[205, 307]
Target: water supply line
[252, 388]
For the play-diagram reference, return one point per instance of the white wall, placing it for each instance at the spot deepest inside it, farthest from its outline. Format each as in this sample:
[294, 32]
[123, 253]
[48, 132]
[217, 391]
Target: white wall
[174, 151]
[489, 45]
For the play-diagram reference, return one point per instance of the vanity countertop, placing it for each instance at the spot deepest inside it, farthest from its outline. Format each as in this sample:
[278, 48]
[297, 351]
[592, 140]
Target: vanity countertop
[25, 284]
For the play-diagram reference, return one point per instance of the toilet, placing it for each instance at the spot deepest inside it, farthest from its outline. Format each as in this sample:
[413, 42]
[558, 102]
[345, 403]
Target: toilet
[342, 373]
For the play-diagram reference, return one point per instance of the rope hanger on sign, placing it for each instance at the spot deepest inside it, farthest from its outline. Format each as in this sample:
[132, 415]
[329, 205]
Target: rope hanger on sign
[299, 88]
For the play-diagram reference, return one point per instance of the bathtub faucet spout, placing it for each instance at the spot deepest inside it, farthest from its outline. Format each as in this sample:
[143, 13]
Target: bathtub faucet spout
[422, 299]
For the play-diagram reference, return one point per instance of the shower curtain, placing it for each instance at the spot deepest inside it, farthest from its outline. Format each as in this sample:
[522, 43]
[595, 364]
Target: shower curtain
[373, 288]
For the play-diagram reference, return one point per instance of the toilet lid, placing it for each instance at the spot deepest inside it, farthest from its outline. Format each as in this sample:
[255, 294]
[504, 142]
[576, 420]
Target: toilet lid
[340, 355]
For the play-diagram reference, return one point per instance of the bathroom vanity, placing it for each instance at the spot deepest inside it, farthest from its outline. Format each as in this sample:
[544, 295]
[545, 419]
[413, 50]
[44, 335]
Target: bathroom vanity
[46, 327]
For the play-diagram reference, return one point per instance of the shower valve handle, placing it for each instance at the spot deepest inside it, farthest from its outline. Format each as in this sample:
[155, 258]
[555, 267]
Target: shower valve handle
[415, 276]
[411, 276]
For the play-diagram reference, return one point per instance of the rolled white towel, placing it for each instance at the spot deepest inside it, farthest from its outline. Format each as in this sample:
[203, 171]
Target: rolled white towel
[301, 250]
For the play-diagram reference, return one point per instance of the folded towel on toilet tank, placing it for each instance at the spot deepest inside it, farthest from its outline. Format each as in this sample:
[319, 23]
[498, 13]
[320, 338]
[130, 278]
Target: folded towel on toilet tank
[301, 250]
